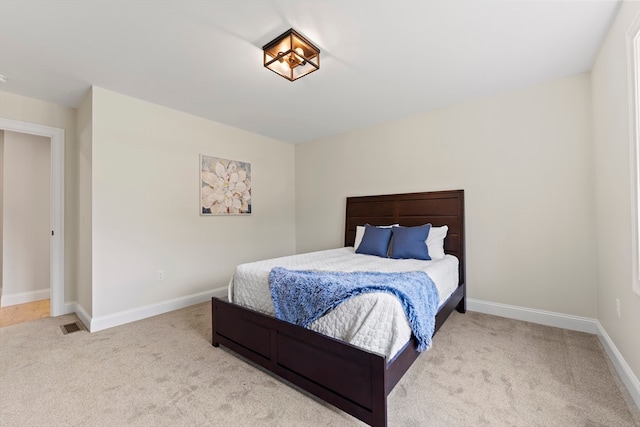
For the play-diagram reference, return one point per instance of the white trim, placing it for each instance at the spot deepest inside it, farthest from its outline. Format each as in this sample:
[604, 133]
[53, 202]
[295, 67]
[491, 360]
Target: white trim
[79, 311]
[82, 314]
[621, 366]
[633, 68]
[71, 307]
[565, 321]
[542, 317]
[127, 316]
[57, 204]
[24, 297]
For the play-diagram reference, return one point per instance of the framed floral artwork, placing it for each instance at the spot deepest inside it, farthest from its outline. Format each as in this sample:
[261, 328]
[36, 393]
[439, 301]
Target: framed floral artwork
[225, 186]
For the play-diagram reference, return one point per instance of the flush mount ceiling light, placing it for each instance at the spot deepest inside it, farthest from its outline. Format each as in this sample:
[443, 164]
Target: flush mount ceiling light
[291, 55]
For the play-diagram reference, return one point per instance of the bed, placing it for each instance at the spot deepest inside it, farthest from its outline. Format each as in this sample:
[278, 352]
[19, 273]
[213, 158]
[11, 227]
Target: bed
[349, 377]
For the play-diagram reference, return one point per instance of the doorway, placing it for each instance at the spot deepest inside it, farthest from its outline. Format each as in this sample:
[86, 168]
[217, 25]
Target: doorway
[57, 205]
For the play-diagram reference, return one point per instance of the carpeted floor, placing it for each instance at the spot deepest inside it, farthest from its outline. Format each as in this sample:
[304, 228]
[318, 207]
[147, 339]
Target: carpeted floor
[163, 371]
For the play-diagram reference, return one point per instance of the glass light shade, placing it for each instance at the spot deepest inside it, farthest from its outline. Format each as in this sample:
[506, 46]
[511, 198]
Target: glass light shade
[291, 55]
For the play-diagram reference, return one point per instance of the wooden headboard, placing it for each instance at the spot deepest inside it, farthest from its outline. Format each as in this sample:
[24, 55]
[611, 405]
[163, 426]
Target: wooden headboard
[410, 209]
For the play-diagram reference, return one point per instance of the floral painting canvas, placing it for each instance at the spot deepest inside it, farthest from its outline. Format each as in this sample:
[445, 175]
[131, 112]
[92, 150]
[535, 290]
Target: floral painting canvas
[225, 186]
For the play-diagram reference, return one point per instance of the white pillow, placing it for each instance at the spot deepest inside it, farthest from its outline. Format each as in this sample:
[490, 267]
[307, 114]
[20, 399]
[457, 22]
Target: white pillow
[360, 233]
[435, 241]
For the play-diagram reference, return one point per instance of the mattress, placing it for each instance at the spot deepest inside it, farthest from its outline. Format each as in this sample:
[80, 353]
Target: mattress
[373, 321]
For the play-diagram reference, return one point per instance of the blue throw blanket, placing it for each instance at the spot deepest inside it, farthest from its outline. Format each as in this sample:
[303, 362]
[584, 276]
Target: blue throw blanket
[301, 296]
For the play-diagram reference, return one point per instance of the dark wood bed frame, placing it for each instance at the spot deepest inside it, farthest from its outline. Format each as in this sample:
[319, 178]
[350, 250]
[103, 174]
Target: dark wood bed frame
[348, 377]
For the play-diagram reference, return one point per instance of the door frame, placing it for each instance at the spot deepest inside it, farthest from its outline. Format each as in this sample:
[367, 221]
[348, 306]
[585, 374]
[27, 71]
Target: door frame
[57, 205]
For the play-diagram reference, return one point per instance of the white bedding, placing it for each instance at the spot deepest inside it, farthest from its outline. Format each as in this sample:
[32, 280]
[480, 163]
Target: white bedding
[373, 321]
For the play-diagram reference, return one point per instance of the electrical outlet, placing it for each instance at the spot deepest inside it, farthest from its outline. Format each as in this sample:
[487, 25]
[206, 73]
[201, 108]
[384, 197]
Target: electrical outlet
[618, 307]
[160, 274]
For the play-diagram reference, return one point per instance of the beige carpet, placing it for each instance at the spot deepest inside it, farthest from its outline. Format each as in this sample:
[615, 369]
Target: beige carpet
[163, 371]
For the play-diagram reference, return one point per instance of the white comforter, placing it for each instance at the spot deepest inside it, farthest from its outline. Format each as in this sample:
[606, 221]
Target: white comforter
[373, 321]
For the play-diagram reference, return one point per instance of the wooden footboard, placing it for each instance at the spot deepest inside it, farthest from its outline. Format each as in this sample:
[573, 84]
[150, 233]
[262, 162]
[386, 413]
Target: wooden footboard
[351, 379]
[336, 372]
[345, 376]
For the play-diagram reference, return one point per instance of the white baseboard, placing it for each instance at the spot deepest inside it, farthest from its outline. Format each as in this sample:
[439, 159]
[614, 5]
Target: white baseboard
[82, 314]
[621, 366]
[71, 307]
[542, 317]
[127, 316]
[75, 308]
[565, 321]
[24, 297]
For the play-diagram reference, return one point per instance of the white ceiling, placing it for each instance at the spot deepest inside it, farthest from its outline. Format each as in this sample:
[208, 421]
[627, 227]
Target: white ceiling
[380, 60]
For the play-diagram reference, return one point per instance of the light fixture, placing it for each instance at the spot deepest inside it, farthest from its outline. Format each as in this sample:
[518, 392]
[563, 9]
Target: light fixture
[291, 55]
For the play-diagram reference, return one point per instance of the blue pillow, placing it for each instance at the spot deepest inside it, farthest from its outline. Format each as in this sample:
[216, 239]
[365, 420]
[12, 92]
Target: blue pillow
[410, 242]
[375, 241]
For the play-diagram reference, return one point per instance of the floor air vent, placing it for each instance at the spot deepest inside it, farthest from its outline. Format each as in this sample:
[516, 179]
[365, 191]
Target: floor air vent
[71, 327]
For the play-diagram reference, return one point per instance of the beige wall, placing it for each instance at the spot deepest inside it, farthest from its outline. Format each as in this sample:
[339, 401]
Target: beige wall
[84, 243]
[30, 110]
[145, 203]
[612, 189]
[26, 218]
[124, 204]
[524, 161]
